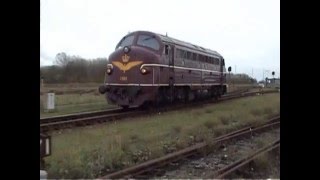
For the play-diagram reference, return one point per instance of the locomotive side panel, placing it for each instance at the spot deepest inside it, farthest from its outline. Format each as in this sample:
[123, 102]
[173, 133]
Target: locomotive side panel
[187, 69]
[212, 75]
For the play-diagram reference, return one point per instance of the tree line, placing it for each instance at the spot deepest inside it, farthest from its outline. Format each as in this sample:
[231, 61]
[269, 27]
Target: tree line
[240, 79]
[74, 69]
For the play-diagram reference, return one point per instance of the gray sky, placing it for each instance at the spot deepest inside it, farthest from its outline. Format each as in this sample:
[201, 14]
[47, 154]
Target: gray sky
[245, 32]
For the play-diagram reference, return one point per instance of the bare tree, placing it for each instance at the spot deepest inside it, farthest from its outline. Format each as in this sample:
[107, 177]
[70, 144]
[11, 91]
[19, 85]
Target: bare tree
[71, 69]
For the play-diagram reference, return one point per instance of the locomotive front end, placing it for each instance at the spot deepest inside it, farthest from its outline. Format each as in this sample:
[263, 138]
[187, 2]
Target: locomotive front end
[127, 82]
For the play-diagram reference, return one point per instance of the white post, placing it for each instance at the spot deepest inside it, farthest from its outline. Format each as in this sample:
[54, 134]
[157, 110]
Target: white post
[50, 101]
[43, 174]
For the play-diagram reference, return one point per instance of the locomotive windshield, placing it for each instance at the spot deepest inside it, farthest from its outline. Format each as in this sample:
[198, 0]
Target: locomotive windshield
[148, 41]
[126, 41]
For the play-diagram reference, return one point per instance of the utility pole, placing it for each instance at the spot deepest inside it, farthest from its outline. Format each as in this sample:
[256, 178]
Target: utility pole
[264, 72]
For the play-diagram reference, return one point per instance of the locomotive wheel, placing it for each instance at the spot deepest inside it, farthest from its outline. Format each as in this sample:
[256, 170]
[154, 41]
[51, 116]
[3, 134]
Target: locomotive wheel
[147, 105]
[160, 97]
[186, 94]
[195, 95]
[158, 100]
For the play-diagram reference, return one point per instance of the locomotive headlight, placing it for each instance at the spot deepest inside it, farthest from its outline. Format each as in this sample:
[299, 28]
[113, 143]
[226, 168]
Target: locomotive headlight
[109, 69]
[126, 49]
[143, 70]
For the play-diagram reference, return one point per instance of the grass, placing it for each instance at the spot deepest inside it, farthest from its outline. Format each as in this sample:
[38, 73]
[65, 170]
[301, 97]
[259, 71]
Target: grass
[96, 150]
[70, 88]
[74, 103]
[73, 98]
[257, 111]
[262, 162]
[226, 119]
[235, 87]
[210, 124]
[265, 166]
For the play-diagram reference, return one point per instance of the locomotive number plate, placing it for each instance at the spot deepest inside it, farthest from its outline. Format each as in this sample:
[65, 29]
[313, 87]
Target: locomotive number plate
[123, 78]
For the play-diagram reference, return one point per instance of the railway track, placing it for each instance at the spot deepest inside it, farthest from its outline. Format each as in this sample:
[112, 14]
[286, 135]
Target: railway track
[97, 113]
[151, 165]
[223, 172]
[83, 115]
[90, 120]
[84, 119]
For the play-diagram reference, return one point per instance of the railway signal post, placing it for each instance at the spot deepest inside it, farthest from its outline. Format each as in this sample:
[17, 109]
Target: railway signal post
[229, 70]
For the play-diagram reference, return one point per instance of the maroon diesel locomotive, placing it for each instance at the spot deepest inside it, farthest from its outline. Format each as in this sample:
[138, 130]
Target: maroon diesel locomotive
[152, 68]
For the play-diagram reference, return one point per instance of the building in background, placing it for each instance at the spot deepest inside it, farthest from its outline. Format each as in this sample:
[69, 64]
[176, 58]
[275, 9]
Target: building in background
[273, 82]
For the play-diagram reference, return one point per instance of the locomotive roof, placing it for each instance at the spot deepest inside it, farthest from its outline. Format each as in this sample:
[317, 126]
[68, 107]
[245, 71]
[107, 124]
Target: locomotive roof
[186, 44]
[181, 43]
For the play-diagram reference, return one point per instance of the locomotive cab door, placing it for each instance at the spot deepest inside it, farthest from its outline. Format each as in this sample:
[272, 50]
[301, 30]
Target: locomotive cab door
[170, 55]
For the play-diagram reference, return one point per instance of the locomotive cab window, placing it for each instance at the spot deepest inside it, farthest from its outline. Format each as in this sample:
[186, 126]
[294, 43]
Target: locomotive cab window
[166, 49]
[126, 41]
[148, 41]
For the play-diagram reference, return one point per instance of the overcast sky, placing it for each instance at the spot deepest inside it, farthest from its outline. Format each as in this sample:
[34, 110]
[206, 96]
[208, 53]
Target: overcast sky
[245, 32]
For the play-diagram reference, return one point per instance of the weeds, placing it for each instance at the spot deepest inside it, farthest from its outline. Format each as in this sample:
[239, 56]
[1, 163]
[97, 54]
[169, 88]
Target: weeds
[268, 110]
[262, 161]
[256, 112]
[225, 119]
[210, 124]
[208, 111]
[134, 137]
[176, 129]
